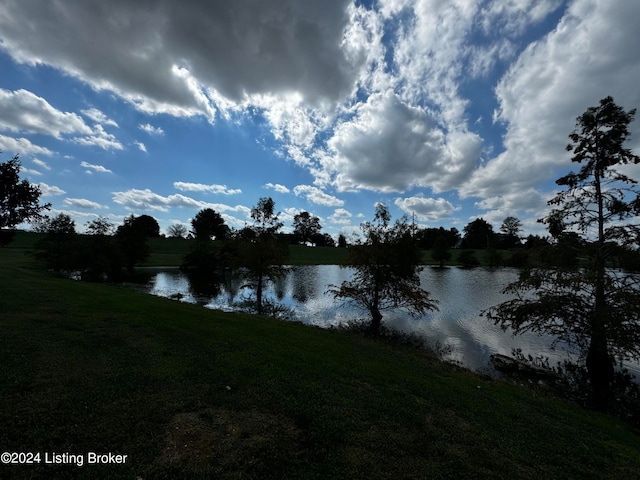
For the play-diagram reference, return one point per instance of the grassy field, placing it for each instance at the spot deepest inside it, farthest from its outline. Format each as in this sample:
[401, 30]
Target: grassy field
[187, 392]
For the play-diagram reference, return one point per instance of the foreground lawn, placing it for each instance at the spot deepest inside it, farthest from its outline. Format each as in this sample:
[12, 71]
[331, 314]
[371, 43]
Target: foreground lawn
[187, 392]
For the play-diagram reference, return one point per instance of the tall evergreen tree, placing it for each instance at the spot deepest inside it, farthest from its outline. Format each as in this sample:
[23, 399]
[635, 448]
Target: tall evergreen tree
[594, 308]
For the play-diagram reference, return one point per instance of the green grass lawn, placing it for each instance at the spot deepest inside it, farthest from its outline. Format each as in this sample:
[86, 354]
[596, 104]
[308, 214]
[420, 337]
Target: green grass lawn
[187, 392]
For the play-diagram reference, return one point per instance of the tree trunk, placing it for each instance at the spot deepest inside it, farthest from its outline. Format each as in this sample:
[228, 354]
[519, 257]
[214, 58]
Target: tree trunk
[376, 320]
[259, 294]
[599, 366]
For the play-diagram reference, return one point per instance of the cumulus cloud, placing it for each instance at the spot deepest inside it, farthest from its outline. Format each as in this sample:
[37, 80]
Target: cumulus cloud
[150, 129]
[50, 190]
[426, 209]
[25, 112]
[277, 187]
[41, 163]
[539, 99]
[317, 196]
[340, 216]
[94, 168]
[82, 203]
[141, 146]
[99, 117]
[391, 146]
[146, 199]
[22, 145]
[200, 187]
[235, 48]
[100, 138]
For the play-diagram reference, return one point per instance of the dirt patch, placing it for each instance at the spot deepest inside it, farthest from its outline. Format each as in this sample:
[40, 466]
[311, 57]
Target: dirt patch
[220, 439]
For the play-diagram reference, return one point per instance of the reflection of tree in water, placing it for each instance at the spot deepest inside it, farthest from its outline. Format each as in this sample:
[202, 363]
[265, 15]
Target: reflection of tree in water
[204, 286]
[305, 283]
[280, 287]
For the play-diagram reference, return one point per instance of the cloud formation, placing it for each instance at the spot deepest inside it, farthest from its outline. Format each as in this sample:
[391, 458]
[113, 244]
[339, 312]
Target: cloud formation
[200, 187]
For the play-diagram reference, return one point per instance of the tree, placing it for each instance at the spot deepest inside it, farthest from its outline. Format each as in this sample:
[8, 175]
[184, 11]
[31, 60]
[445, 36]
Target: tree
[342, 241]
[148, 224]
[478, 234]
[19, 199]
[440, 250]
[132, 238]
[386, 264]
[258, 250]
[510, 228]
[306, 226]
[177, 230]
[58, 247]
[594, 308]
[209, 224]
[101, 257]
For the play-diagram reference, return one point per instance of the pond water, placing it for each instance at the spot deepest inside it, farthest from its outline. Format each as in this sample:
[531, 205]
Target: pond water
[462, 295]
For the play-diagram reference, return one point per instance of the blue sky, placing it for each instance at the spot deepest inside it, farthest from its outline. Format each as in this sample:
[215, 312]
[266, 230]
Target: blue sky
[447, 110]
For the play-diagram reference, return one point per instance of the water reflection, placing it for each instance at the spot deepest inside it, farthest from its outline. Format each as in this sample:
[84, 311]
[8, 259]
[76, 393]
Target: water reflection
[461, 293]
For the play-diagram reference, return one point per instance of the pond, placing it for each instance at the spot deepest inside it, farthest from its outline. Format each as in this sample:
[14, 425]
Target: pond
[462, 294]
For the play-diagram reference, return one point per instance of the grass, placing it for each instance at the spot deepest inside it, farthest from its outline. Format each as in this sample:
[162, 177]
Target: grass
[187, 392]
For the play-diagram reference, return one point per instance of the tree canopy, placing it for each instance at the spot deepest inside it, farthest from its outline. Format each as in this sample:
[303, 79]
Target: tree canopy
[386, 264]
[19, 199]
[478, 234]
[209, 224]
[306, 227]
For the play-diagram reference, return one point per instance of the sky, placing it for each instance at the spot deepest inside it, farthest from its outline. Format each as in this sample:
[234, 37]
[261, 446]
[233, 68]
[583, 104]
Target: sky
[445, 111]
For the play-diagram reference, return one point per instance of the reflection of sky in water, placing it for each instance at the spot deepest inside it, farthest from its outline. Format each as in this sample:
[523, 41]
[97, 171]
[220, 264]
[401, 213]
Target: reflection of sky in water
[461, 293]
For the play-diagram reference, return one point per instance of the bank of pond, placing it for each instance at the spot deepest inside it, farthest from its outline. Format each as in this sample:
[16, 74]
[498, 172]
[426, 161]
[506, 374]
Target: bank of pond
[458, 330]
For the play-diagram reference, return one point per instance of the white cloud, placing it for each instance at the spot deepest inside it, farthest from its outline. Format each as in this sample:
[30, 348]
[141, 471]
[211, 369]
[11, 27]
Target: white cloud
[22, 145]
[540, 99]
[99, 117]
[200, 187]
[100, 138]
[50, 190]
[340, 216]
[391, 146]
[82, 203]
[150, 129]
[317, 196]
[147, 200]
[23, 111]
[41, 164]
[277, 187]
[95, 168]
[141, 146]
[165, 57]
[426, 209]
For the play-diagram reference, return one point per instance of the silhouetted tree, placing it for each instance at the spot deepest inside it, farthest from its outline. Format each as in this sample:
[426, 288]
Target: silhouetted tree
[101, 257]
[58, 247]
[177, 230]
[306, 227]
[132, 238]
[258, 250]
[510, 228]
[386, 264]
[478, 234]
[342, 241]
[440, 250]
[594, 308]
[19, 199]
[148, 224]
[209, 224]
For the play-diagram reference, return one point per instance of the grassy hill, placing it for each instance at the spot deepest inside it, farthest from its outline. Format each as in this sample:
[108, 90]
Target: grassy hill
[187, 392]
